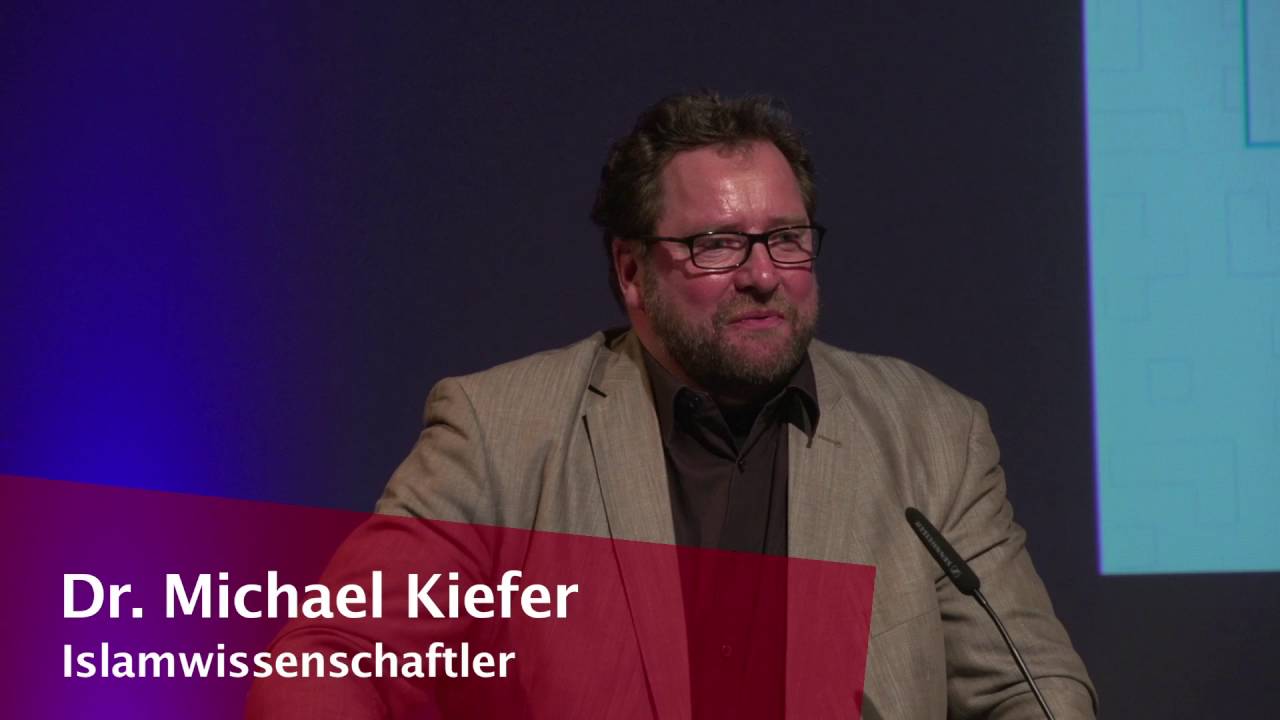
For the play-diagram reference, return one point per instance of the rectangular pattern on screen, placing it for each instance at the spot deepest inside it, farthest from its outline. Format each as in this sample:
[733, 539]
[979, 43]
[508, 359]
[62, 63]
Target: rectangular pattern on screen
[1184, 174]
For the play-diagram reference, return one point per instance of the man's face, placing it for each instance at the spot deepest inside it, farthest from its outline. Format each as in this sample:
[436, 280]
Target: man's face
[740, 332]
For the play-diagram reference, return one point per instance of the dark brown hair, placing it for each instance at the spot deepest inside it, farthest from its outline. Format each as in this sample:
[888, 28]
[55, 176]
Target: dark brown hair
[629, 198]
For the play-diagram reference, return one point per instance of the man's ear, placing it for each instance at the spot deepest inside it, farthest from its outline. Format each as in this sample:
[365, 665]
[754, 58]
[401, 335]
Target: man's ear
[627, 267]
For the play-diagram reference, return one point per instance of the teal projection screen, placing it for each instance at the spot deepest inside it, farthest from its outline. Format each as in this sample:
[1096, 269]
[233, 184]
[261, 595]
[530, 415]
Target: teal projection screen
[1183, 106]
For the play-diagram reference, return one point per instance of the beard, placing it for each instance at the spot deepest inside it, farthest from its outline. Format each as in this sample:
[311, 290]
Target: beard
[715, 361]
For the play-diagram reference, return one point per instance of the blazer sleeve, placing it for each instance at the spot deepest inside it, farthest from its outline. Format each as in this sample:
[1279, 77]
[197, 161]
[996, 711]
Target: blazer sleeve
[446, 476]
[983, 681]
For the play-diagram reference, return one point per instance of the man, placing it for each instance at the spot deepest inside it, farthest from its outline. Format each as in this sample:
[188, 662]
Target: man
[718, 422]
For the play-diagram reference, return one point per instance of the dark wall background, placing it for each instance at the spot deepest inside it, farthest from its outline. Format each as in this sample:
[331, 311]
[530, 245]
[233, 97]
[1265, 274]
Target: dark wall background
[240, 243]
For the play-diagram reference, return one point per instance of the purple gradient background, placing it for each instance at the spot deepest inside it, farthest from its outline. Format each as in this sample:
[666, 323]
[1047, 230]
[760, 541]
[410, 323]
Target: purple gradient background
[239, 243]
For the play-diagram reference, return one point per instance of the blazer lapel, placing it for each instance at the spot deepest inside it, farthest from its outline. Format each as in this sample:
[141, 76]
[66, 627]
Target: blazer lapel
[842, 507]
[840, 493]
[622, 430]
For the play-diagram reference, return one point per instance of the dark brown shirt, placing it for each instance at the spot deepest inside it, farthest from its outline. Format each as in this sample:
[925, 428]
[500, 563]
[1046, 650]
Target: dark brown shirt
[728, 472]
[728, 476]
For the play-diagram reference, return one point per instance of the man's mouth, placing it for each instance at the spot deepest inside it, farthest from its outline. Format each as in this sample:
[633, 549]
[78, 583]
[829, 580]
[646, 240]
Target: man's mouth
[758, 319]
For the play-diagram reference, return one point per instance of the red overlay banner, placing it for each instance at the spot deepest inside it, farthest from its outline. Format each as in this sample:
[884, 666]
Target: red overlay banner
[140, 604]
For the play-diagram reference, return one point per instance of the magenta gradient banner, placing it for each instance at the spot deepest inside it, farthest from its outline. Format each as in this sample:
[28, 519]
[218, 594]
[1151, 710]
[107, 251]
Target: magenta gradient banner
[142, 604]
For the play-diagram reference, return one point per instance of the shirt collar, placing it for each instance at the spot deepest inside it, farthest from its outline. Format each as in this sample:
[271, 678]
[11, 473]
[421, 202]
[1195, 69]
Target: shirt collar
[798, 399]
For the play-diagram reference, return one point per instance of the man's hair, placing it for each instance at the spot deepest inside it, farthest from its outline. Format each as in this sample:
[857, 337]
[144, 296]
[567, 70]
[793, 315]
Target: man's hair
[629, 200]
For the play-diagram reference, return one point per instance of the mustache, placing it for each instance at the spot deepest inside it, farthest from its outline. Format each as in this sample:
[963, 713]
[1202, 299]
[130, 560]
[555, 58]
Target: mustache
[742, 305]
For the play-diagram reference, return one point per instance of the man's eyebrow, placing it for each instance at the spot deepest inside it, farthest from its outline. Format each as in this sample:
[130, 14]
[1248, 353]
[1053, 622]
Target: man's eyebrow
[788, 221]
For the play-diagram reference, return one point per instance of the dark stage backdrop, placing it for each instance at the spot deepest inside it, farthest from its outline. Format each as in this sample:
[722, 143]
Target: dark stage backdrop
[240, 243]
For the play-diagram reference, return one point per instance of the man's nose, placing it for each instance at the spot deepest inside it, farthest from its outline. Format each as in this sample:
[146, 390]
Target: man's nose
[758, 273]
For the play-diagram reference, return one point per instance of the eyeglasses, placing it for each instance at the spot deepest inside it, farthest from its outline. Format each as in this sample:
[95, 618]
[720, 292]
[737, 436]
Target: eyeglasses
[722, 250]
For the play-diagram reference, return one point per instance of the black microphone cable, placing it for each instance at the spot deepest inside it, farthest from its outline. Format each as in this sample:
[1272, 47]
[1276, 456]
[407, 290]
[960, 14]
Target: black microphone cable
[966, 581]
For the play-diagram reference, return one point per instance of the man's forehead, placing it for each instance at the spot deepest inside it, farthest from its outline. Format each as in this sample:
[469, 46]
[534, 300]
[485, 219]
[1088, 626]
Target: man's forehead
[723, 181]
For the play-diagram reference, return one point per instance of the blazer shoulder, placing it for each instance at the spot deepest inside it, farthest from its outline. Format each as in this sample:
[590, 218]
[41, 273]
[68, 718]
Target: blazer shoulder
[535, 384]
[574, 359]
[888, 380]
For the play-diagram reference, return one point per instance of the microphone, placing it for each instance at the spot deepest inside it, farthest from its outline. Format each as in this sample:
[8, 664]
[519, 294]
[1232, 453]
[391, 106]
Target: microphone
[966, 581]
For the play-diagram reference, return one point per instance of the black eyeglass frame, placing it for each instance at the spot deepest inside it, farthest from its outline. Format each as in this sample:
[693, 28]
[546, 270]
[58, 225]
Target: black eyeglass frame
[752, 238]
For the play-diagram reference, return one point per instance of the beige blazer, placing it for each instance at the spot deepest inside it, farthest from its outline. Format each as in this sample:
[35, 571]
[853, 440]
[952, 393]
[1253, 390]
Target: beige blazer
[567, 441]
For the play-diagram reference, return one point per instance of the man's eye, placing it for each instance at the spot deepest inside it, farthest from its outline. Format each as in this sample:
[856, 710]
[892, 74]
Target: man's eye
[719, 242]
